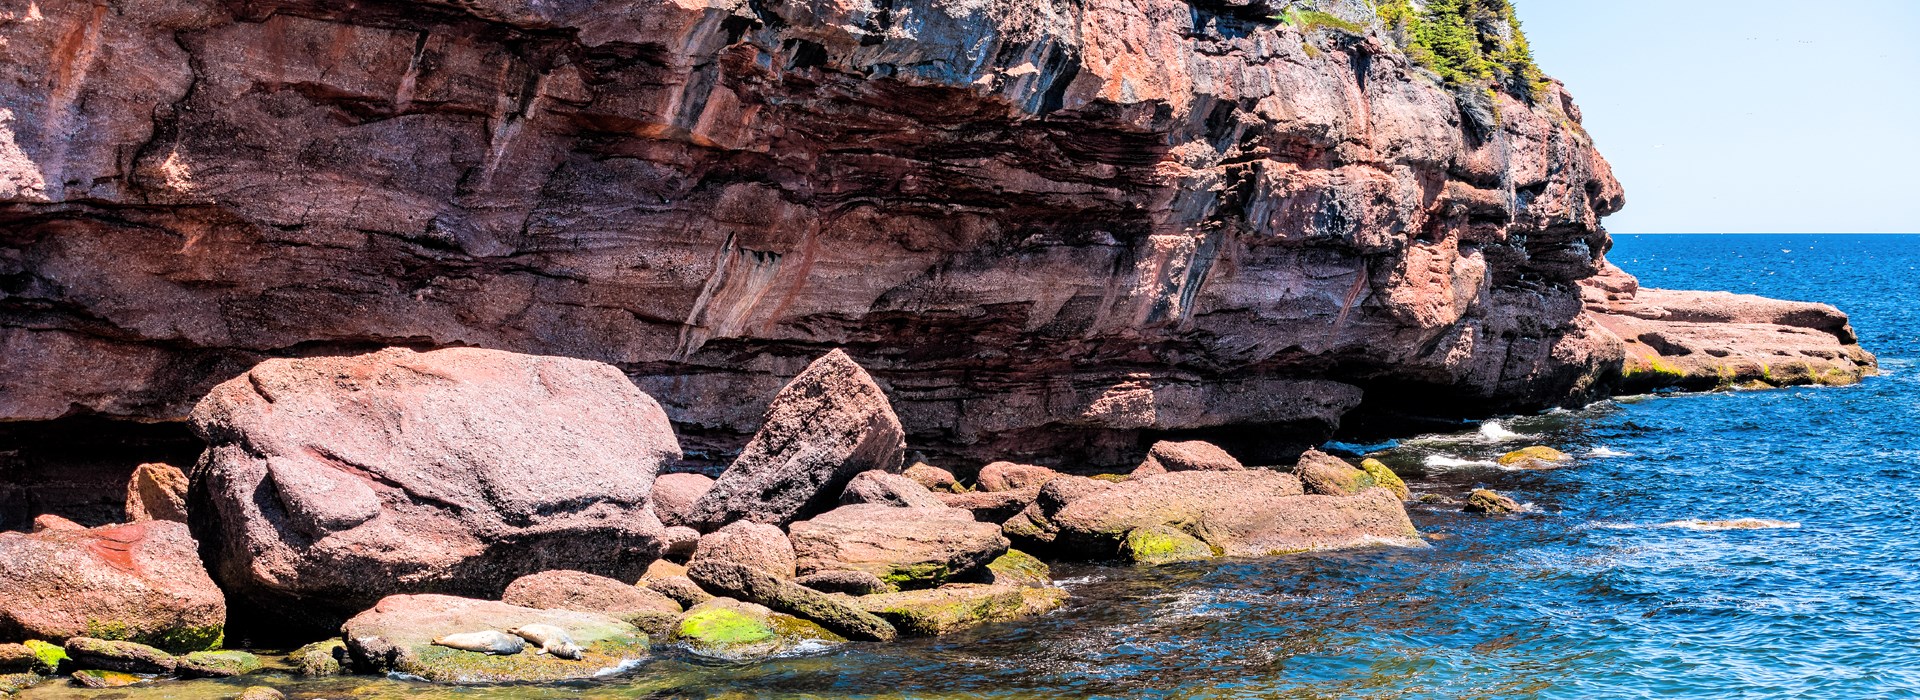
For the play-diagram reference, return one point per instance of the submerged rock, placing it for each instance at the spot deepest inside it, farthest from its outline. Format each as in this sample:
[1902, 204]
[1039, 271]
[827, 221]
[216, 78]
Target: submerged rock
[260, 692]
[885, 489]
[675, 494]
[639, 606]
[157, 492]
[1490, 502]
[1162, 544]
[732, 630]
[129, 657]
[956, 607]
[397, 636]
[141, 582]
[1535, 457]
[99, 679]
[218, 664]
[322, 658]
[329, 483]
[905, 547]
[16, 682]
[828, 424]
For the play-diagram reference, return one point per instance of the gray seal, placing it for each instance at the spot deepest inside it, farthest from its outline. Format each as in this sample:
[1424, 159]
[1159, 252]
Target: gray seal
[487, 642]
[551, 639]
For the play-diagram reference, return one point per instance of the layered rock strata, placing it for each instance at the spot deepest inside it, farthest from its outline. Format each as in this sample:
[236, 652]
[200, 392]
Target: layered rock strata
[1055, 230]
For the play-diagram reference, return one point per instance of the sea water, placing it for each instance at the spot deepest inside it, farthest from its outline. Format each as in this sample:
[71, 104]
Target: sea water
[1722, 545]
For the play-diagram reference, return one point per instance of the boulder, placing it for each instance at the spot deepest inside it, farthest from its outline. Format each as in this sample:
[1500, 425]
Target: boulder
[157, 492]
[1535, 457]
[641, 607]
[991, 506]
[932, 477]
[679, 542]
[141, 582]
[886, 489]
[828, 424]
[956, 607]
[1328, 475]
[750, 544]
[226, 663]
[783, 595]
[1034, 525]
[322, 658]
[1163, 544]
[1238, 513]
[905, 547]
[848, 582]
[1384, 477]
[1017, 568]
[109, 655]
[1188, 456]
[732, 630]
[15, 658]
[675, 494]
[1008, 476]
[397, 635]
[1490, 502]
[329, 483]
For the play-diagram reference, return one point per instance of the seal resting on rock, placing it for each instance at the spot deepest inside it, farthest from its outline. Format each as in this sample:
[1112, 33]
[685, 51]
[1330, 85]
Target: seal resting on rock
[488, 642]
[551, 639]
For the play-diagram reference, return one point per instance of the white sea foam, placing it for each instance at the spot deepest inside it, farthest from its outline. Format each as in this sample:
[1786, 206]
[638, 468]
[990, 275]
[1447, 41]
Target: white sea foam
[1443, 462]
[1079, 580]
[1706, 525]
[1493, 431]
[1607, 452]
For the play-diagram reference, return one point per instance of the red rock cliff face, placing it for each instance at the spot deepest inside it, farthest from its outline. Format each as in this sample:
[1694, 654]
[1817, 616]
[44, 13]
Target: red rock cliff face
[1051, 228]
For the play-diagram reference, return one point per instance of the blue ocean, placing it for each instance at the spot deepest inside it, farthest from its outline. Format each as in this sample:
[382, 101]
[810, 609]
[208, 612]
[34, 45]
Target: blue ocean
[1622, 578]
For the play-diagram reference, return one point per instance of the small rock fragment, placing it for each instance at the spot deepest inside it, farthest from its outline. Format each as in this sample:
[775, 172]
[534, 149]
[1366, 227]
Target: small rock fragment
[932, 477]
[1535, 457]
[1490, 502]
[157, 492]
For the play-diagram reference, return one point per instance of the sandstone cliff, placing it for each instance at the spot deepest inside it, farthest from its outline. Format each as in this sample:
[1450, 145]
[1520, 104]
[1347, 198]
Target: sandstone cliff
[1053, 229]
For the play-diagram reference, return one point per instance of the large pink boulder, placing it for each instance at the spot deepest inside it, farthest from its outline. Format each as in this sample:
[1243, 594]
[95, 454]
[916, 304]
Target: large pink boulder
[142, 582]
[331, 483]
[827, 425]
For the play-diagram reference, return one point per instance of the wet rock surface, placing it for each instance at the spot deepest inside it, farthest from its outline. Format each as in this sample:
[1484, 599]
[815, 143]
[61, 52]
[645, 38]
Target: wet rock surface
[731, 630]
[330, 483]
[397, 635]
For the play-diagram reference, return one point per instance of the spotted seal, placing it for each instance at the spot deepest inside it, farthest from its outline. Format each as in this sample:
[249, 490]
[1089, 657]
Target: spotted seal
[551, 640]
[487, 642]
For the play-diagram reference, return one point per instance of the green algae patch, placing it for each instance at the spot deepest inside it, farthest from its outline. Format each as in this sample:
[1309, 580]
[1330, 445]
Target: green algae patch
[1384, 477]
[1017, 568]
[218, 664]
[1159, 544]
[47, 657]
[319, 658]
[958, 607]
[720, 627]
[919, 575]
[733, 631]
[178, 640]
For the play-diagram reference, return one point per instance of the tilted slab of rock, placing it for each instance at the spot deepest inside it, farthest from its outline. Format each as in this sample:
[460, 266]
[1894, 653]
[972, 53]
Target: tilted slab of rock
[992, 506]
[956, 607]
[1054, 228]
[142, 582]
[888, 489]
[641, 607]
[1256, 512]
[330, 483]
[1708, 340]
[397, 635]
[907, 547]
[784, 595]
[830, 423]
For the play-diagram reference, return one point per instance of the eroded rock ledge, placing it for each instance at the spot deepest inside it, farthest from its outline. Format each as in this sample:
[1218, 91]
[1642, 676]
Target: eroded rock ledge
[1055, 231]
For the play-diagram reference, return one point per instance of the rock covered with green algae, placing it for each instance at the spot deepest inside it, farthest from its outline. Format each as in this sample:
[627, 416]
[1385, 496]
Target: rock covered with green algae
[141, 582]
[322, 658]
[732, 630]
[1017, 568]
[1327, 475]
[960, 606]
[784, 595]
[397, 634]
[1161, 544]
[1384, 477]
[1490, 502]
[47, 657]
[218, 664]
[112, 655]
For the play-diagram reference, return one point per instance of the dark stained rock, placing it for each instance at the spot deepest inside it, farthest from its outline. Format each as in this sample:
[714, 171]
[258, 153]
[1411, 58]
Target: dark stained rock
[956, 607]
[127, 657]
[322, 658]
[991, 506]
[1188, 456]
[15, 658]
[830, 423]
[142, 582]
[675, 494]
[396, 635]
[932, 477]
[1008, 476]
[886, 489]
[783, 595]
[641, 607]
[1490, 502]
[848, 582]
[905, 547]
[750, 544]
[157, 492]
[329, 483]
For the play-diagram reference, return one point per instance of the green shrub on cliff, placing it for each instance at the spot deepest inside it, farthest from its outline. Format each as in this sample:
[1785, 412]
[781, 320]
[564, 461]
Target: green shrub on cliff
[1462, 41]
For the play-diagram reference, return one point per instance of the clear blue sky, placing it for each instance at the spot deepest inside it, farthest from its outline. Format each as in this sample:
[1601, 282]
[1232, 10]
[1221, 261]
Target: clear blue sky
[1746, 116]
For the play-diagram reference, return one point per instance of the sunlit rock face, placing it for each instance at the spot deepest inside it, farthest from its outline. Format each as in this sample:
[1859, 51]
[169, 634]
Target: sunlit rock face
[1054, 231]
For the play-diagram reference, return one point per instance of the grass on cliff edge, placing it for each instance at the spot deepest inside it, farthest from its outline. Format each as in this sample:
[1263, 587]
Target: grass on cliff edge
[1461, 41]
